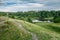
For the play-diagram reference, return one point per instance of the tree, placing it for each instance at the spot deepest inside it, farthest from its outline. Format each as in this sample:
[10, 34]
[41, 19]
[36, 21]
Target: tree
[29, 19]
[57, 19]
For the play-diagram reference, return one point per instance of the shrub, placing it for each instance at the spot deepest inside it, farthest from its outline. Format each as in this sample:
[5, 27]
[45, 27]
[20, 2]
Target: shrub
[57, 19]
[29, 20]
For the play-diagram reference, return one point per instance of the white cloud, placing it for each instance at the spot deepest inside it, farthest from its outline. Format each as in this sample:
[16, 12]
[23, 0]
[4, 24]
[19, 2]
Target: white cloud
[21, 7]
[35, 5]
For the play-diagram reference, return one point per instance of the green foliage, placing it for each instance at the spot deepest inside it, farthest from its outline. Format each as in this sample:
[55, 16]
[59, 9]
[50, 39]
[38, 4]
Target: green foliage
[29, 20]
[31, 14]
[2, 14]
[57, 19]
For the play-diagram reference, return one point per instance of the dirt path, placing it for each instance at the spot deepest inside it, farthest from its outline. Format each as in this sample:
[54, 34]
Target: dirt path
[34, 37]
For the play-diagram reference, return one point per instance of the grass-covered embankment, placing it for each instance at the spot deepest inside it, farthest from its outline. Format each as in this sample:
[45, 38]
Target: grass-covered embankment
[11, 30]
[42, 32]
[8, 31]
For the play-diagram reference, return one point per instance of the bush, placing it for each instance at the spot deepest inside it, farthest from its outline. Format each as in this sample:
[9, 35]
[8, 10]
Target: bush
[29, 20]
[56, 19]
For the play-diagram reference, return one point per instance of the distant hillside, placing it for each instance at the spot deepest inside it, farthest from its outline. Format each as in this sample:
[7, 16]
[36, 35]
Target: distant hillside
[13, 29]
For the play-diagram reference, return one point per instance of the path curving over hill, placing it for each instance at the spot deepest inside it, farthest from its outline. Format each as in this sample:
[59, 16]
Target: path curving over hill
[20, 26]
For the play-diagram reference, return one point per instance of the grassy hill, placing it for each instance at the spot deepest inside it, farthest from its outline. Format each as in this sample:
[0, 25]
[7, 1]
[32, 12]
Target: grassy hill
[44, 31]
[13, 29]
[9, 31]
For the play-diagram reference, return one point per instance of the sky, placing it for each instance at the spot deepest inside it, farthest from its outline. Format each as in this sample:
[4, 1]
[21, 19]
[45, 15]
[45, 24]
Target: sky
[28, 5]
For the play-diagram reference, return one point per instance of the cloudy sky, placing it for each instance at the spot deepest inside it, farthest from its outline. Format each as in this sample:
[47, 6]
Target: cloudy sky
[28, 5]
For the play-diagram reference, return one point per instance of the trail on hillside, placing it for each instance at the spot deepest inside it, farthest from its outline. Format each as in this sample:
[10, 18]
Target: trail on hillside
[34, 37]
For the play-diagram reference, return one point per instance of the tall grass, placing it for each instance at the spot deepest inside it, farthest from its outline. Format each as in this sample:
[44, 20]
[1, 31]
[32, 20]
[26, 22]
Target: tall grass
[42, 32]
[9, 31]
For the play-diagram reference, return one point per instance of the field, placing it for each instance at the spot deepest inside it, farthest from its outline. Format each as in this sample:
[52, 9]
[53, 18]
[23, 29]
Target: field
[44, 31]
[9, 31]
[14, 29]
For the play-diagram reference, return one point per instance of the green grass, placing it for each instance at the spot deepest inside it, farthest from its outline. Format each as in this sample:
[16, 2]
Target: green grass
[51, 26]
[8, 31]
[44, 31]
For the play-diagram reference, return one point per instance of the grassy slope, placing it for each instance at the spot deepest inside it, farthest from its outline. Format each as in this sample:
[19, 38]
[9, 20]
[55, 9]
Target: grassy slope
[51, 26]
[8, 31]
[44, 31]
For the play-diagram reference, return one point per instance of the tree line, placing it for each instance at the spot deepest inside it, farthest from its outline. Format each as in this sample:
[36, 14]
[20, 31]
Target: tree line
[53, 15]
